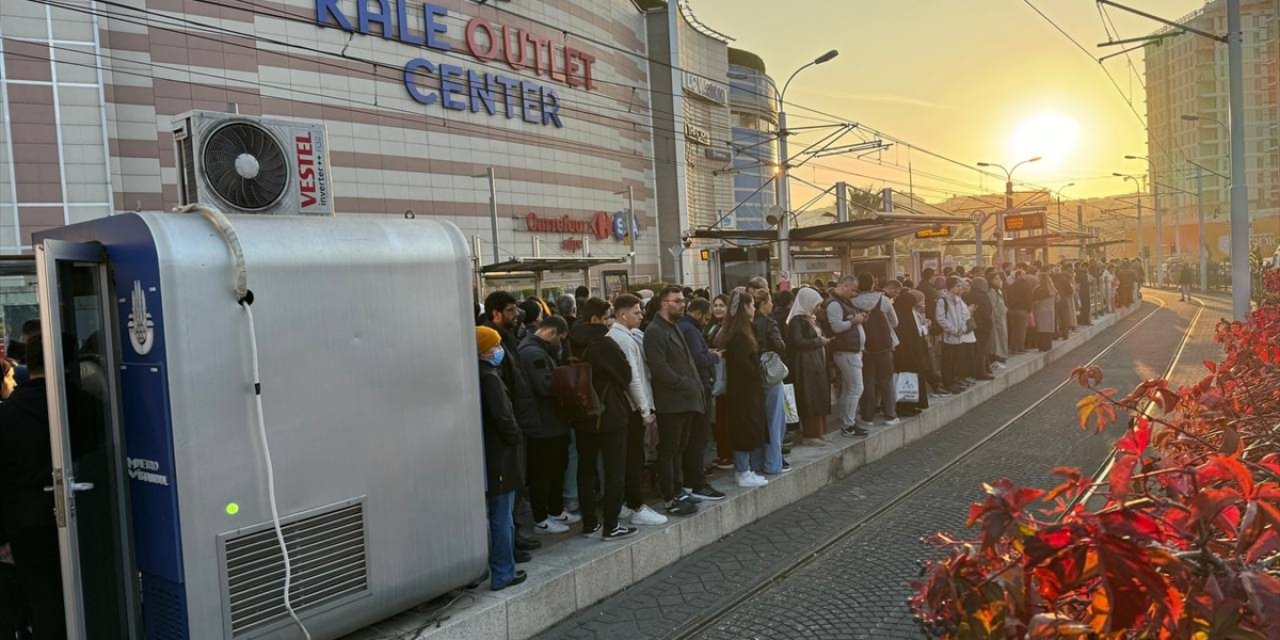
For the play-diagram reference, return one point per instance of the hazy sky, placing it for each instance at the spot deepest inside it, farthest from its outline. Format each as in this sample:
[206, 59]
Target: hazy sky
[971, 79]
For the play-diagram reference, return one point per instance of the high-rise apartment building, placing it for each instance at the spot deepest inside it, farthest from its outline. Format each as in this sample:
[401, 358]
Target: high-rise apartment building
[1187, 124]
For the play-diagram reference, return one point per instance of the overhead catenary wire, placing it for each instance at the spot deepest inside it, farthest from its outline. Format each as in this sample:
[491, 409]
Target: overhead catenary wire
[148, 21]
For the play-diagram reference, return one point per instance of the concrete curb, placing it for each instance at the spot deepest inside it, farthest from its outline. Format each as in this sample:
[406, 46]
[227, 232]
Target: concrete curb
[577, 573]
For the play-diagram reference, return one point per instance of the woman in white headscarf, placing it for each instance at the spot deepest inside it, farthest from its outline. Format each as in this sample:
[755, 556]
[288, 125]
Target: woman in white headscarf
[808, 362]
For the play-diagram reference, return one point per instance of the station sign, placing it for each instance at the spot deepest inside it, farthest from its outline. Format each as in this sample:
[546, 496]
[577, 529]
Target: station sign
[602, 225]
[1024, 222]
[936, 232]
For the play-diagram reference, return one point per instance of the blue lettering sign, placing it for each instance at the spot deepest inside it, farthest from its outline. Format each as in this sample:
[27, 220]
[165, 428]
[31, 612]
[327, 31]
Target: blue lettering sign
[326, 9]
[431, 15]
[365, 16]
[481, 92]
[450, 87]
[406, 33]
[409, 71]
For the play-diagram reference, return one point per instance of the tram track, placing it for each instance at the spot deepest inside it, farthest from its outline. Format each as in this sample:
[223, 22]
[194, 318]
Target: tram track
[817, 551]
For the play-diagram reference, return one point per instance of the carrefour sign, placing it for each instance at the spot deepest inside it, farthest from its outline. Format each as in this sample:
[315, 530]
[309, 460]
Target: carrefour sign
[460, 89]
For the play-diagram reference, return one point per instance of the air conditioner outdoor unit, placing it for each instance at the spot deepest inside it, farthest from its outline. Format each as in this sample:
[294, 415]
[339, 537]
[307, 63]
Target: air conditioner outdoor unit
[244, 164]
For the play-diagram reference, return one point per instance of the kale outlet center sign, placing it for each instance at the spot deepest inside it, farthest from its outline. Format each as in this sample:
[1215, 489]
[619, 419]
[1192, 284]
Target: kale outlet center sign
[460, 89]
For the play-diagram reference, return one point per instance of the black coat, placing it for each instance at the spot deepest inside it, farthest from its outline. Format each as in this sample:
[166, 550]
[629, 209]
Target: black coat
[744, 395]
[930, 305]
[513, 374]
[702, 356]
[984, 316]
[674, 377]
[538, 359]
[808, 364]
[503, 442]
[912, 352]
[610, 375]
[1018, 296]
[768, 335]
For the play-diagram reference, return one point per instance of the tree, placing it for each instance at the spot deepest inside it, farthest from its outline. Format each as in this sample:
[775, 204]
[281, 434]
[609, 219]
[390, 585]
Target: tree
[1181, 539]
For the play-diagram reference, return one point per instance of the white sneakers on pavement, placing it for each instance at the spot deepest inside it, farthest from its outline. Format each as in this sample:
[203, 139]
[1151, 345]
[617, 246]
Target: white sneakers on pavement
[749, 480]
[566, 517]
[550, 526]
[645, 516]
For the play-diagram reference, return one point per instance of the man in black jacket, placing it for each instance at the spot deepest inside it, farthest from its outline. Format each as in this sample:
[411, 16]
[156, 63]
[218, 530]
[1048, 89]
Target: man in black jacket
[690, 325]
[502, 314]
[503, 457]
[1017, 296]
[603, 436]
[548, 445]
[677, 396]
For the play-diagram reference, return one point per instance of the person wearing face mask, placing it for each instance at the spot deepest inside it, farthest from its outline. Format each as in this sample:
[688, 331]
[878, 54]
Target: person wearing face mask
[504, 460]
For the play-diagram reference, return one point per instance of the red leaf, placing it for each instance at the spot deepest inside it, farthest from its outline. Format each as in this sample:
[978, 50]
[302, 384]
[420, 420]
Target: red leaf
[1121, 474]
[1224, 468]
[1210, 366]
[1136, 440]
[1231, 444]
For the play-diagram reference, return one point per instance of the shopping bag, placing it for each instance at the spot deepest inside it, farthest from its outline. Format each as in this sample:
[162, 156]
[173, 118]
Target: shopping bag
[721, 382]
[908, 386]
[789, 400]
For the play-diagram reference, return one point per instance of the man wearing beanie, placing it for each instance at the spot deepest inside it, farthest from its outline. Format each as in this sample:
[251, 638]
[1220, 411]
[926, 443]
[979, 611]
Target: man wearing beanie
[503, 456]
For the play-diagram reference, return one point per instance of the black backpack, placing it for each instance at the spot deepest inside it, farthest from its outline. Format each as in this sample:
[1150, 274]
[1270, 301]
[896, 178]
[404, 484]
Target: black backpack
[879, 333]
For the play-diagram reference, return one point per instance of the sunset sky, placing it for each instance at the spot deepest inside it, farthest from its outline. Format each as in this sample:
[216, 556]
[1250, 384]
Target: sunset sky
[970, 79]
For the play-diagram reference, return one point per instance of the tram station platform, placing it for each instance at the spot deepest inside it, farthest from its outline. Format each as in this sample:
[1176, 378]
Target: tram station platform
[571, 573]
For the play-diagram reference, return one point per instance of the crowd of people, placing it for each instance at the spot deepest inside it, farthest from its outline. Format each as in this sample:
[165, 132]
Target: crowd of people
[682, 383]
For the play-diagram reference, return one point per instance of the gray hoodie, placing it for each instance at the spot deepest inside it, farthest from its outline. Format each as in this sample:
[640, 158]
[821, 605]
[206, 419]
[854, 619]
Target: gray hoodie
[866, 301]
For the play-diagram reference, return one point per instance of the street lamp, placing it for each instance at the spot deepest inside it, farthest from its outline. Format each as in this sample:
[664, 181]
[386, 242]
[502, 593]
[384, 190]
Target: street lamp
[1061, 229]
[782, 188]
[1155, 204]
[1138, 188]
[1008, 200]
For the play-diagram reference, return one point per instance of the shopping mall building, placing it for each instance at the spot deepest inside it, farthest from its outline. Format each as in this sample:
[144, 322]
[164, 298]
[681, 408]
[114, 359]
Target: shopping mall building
[418, 101]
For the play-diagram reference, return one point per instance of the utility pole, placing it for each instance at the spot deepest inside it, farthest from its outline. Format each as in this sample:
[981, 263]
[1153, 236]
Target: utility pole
[1240, 276]
[1080, 225]
[631, 225]
[493, 211]
[1008, 204]
[784, 159]
[1204, 253]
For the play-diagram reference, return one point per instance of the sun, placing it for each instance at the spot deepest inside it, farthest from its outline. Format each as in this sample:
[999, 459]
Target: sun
[1051, 135]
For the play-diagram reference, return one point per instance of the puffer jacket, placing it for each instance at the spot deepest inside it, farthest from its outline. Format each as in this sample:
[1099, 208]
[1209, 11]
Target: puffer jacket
[952, 316]
[538, 360]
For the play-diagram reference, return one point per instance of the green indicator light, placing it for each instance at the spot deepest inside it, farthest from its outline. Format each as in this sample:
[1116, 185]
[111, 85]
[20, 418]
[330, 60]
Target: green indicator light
[232, 508]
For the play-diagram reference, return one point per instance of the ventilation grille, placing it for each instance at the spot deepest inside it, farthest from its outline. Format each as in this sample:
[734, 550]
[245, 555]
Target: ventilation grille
[327, 552]
[187, 193]
[164, 609]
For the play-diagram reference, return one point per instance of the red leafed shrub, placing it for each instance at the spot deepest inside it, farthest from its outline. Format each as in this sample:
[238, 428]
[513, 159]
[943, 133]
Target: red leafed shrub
[1180, 539]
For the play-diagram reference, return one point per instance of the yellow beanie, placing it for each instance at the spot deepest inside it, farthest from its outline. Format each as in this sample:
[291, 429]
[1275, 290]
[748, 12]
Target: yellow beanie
[486, 339]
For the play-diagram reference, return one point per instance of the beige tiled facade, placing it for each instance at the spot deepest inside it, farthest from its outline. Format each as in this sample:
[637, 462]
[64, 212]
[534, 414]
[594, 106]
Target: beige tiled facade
[89, 96]
[1187, 75]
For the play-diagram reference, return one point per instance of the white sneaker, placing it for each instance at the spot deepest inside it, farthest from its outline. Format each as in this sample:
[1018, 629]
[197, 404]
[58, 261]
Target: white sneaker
[749, 480]
[892, 421]
[550, 526]
[567, 517]
[625, 513]
[998, 365]
[646, 516]
[759, 478]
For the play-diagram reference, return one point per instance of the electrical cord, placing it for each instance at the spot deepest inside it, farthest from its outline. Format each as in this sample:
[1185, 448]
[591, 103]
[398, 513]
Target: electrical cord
[271, 480]
[244, 298]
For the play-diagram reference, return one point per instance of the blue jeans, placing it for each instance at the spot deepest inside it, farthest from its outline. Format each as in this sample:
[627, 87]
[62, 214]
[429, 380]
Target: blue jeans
[502, 539]
[571, 471]
[775, 411]
[744, 461]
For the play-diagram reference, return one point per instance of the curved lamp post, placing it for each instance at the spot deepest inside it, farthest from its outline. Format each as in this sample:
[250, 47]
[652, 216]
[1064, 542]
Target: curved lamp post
[783, 189]
[1008, 199]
